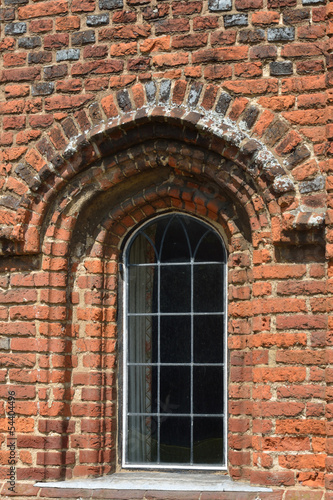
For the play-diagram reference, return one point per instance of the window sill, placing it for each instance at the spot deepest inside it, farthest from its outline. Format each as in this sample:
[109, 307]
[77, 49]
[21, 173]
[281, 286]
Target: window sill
[155, 481]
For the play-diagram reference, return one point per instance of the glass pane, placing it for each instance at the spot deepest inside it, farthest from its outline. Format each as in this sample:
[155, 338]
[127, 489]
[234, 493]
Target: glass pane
[208, 288]
[210, 249]
[207, 389]
[208, 339]
[142, 389]
[207, 440]
[175, 245]
[175, 389]
[141, 334]
[142, 439]
[175, 339]
[175, 294]
[175, 440]
[142, 281]
[142, 250]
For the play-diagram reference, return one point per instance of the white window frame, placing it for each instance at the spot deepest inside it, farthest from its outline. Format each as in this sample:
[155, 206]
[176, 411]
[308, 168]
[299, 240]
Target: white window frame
[124, 410]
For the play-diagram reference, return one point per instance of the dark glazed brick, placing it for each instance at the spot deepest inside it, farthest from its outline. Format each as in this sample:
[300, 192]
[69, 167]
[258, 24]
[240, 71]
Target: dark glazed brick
[236, 20]
[275, 132]
[219, 5]
[98, 20]
[16, 2]
[45, 148]
[300, 154]
[25, 173]
[124, 100]
[194, 94]
[223, 104]
[7, 14]
[42, 88]
[110, 4]
[52, 72]
[296, 16]
[281, 68]
[15, 28]
[83, 37]
[9, 202]
[29, 42]
[280, 34]
[39, 57]
[250, 115]
[251, 36]
[263, 52]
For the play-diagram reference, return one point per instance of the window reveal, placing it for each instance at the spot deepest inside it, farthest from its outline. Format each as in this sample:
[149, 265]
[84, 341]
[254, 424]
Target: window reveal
[175, 346]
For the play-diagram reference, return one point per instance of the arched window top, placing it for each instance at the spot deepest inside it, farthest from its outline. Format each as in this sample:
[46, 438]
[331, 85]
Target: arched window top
[176, 237]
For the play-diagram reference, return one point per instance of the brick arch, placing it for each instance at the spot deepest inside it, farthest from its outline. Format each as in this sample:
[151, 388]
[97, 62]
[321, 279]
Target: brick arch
[94, 285]
[261, 144]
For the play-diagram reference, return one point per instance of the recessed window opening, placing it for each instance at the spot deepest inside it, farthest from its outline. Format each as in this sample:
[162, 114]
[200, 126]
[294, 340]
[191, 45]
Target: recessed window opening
[175, 375]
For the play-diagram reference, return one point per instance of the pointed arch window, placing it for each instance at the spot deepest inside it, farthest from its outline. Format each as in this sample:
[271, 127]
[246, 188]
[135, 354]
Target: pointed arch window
[175, 346]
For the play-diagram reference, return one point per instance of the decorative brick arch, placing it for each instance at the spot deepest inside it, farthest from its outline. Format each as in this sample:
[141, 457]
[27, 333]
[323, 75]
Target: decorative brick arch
[262, 145]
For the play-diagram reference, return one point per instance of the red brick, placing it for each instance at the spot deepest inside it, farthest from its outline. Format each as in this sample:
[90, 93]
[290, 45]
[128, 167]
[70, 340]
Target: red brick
[48, 8]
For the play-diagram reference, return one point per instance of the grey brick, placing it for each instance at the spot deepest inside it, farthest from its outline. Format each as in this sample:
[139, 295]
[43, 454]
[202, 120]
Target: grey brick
[42, 88]
[55, 71]
[16, 2]
[281, 68]
[68, 55]
[15, 28]
[110, 4]
[315, 185]
[236, 20]
[219, 5]
[194, 94]
[309, 2]
[83, 37]
[29, 42]
[124, 100]
[7, 14]
[4, 343]
[223, 104]
[98, 20]
[280, 34]
[165, 90]
[150, 91]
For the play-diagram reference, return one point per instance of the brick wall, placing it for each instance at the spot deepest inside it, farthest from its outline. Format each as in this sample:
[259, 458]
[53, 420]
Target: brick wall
[114, 111]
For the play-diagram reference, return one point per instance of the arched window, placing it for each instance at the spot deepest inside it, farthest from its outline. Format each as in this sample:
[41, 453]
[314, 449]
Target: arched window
[175, 346]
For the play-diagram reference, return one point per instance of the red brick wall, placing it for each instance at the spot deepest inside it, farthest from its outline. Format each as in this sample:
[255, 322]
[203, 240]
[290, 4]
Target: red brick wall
[112, 112]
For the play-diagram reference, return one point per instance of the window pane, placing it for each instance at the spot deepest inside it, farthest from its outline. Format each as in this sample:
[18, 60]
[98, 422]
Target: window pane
[142, 389]
[141, 283]
[140, 339]
[175, 440]
[208, 288]
[208, 339]
[142, 439]
[210, 249]
[175, 389]
[175, 339]
[207, 440]
[175, 293]
[207, 389]
[175, 245]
